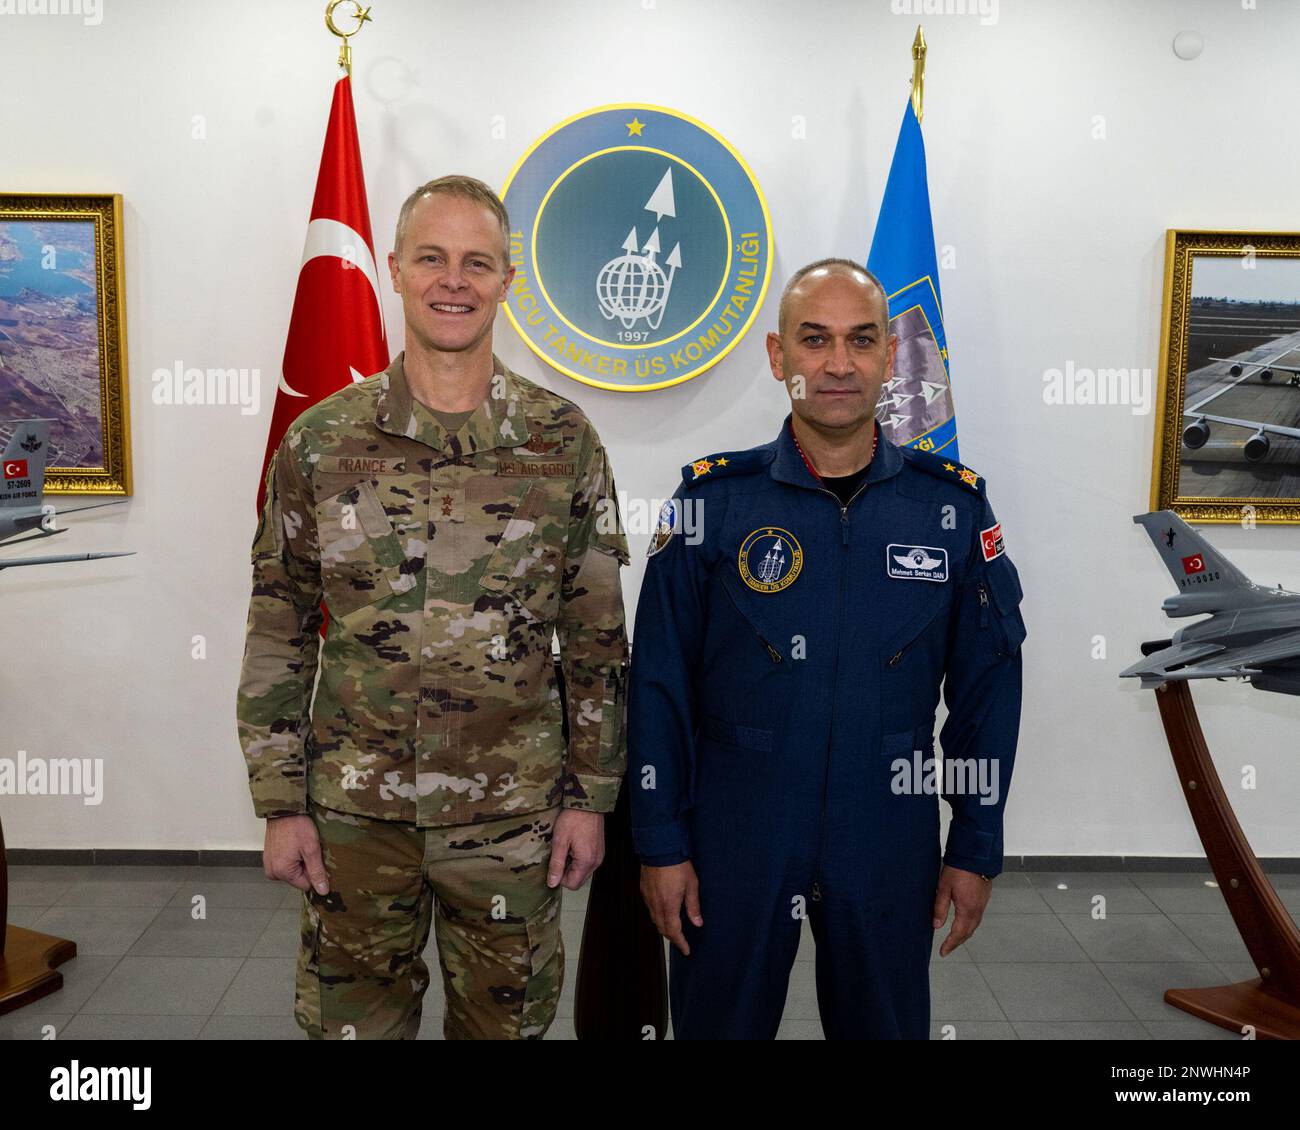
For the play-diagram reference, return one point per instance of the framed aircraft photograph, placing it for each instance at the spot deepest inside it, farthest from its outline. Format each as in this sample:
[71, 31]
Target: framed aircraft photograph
[63, 336]
[1227, 440]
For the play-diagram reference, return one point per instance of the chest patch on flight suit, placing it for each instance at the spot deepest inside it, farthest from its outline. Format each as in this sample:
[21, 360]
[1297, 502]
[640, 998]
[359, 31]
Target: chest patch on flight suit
[770, 559]
[916, 562]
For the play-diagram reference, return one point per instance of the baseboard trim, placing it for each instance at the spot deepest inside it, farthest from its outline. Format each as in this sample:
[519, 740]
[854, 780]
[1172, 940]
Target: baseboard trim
[118, 857]
[129, 857]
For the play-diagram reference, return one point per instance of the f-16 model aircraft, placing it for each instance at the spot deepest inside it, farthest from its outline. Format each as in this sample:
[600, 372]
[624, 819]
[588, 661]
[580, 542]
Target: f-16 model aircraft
[1252, 632]
[22, 495]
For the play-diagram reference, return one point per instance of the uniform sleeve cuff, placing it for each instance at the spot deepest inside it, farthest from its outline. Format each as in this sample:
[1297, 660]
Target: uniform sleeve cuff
[978, 867]
[587, 792]
[971, 849]
[669, 843]
[670, 860]
[270, 804]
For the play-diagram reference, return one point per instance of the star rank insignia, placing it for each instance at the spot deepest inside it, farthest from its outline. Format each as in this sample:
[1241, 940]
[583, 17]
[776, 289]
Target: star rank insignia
[701, 467]
[447, 501]
[966, 475]
[941, 467]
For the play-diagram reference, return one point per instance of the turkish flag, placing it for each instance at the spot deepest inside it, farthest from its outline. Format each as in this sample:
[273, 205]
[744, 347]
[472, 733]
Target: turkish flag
[336, 330]
[1193, 564]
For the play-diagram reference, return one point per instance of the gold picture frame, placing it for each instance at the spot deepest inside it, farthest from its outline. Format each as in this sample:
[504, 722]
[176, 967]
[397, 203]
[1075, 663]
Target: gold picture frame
[63, 335]
[1229, 385]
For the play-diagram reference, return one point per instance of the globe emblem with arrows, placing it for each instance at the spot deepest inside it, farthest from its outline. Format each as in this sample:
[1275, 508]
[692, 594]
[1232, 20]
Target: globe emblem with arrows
[633, 285]
[781, 559]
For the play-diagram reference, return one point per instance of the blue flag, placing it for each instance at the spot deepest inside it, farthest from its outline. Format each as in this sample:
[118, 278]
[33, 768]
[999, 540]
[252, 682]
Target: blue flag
[916, 407]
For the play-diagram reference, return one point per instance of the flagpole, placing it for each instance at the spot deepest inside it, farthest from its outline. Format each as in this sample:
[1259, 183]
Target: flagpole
[918, 72]
[360, 14]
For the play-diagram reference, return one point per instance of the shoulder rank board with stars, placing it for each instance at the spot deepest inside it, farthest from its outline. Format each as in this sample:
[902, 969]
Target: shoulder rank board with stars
[702, 467]
[966, 475]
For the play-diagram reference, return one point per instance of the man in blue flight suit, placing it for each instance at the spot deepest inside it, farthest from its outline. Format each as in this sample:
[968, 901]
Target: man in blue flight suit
[802, 605]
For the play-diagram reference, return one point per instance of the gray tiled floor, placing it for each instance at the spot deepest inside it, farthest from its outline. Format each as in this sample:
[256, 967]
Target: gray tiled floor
[1083, 956]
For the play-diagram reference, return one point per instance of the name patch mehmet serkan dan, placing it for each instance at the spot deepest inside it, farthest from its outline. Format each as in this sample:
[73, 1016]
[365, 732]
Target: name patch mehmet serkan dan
[917, 562]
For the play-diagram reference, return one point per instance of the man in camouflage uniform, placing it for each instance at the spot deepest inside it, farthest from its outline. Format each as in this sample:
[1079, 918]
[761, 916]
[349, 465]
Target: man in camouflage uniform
[453, 517]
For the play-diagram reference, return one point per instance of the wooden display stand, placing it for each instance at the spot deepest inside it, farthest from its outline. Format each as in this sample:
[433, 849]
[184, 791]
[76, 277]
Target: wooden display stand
[1269, 1004]
[27, 959]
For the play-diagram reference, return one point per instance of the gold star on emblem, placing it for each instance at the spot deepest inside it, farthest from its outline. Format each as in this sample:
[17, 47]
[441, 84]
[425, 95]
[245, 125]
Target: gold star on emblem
[701, 467]
[969, 477]
[949, 467]
[720, 463]
[634, 128]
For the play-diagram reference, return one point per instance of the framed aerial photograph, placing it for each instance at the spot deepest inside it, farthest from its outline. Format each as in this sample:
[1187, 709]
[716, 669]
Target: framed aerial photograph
[1227, 440]
[63, 335]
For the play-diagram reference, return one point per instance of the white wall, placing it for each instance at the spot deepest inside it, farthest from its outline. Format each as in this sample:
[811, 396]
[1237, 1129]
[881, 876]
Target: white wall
[1059, 257]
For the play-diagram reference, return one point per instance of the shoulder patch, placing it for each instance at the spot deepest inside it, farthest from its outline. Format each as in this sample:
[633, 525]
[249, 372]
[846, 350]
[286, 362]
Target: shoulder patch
[669, 519]
[726, 463]
[939, 465]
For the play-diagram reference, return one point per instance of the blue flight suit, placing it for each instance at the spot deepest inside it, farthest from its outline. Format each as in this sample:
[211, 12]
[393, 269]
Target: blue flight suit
[785, 668]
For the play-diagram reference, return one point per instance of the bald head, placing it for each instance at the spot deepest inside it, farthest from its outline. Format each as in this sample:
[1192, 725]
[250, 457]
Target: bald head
[834, 351]
[804, 277]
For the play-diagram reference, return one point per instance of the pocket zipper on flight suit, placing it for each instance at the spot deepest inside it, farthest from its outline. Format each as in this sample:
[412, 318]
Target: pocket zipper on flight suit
[772, 653]
[897, 657]
[983, 622]
[1003, 642]
[1000, 642]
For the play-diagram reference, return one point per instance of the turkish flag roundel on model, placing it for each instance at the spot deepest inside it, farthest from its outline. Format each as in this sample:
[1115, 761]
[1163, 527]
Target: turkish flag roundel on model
[336, 331]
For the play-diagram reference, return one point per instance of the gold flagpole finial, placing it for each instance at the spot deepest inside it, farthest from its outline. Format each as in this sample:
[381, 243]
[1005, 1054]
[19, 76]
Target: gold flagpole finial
[360, 14]
[918, 72]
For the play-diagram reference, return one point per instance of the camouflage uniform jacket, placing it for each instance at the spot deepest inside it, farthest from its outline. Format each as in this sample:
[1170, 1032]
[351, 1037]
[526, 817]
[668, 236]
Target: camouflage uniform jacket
[447, 564]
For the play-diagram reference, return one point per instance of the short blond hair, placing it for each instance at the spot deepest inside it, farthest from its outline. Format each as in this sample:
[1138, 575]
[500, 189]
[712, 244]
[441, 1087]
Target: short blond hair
[467, 188]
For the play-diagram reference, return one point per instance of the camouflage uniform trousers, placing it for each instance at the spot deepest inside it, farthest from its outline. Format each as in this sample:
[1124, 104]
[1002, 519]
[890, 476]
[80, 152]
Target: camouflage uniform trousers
[497, 925]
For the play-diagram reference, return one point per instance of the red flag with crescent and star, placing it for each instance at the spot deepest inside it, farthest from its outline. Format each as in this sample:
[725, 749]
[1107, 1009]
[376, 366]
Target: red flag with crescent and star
[336, 330]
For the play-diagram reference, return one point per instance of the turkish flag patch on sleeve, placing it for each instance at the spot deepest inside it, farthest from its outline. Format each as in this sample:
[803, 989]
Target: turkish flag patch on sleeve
[991, 542]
